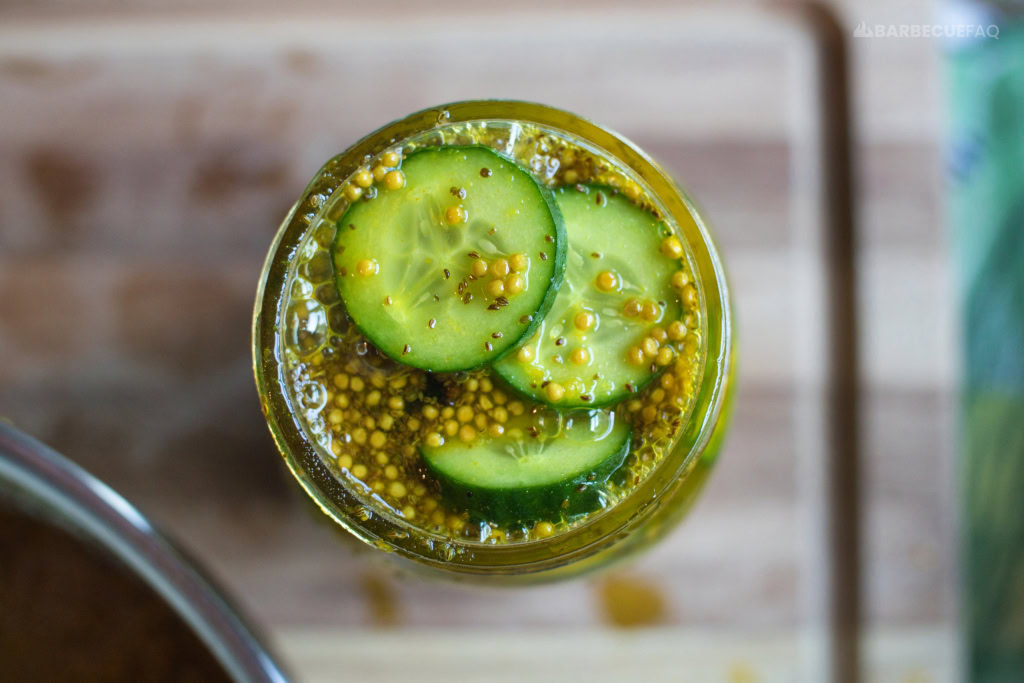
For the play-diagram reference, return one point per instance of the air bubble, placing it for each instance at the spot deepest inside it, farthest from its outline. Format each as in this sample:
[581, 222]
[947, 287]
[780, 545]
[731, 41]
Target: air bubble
[307, 326]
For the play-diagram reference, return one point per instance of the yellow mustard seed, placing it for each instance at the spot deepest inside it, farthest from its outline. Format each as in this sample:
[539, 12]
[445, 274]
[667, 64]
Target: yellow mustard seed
[672, 247]
[649, 413]
[631, 308]
[676, 330]
[634, 406]
[486, 384]
[345, 461]
[391, 472]
[607, 281]
[455, 215]
[479, 267]
[658, 395]
[500, 415]
[341, 380]
[689, 295]
[353, 192]
[516, 408]
[514, 284]
[467, 433]
[409, 512]
[680, 279]
[495, 429]
[391, 158]
[570, 177]
[584, 320]
[377, 486]
[690, 343]
[579, 356]
[419, 489]
[367, 267]
[554, 391]
[659, 334]
[373, 398]
[495, 288]
[464, 413]
[386, 422]
[394, 180]
[485, 402]
[335, 447]
[524, 355]
[518, 263]
[448, 412]
[397, 489]
[377, 439]
[455, 523]
[650, 311]
[359, 436]
[649, 346]
[335, 417]
[369, 422]
[379, 171]
[480, 420]
[413, 424]
[430, 412]
[434, 439]
[667, 381]
[359, 471]
[357, 384]
[451, 428]
[437, 517]
[396, 403]
[500, 267]
[665, 356]
[499, 397]
[543, 529]
[363, 178]
[631, 190]
[341, 400]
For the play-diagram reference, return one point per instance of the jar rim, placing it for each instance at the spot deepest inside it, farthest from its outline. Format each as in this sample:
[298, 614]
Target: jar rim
[391, 533]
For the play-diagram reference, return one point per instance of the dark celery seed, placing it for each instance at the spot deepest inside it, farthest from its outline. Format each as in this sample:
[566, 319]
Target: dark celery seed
[560, 341]
[595, 254]
[493, 307]
[525, 319]
[351, 226]
[586, 397]
[467, 298]
[447, 273]
[473, 254]
[406, 349]
[501, 301]
[431, 323]
[485, 173]
[549, 238]
[487, 345]
[581, 488]
[496, 335]
[543, 256]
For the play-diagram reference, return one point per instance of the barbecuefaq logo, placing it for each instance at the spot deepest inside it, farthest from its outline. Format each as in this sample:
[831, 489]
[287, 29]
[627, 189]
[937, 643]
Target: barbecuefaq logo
[864, 30]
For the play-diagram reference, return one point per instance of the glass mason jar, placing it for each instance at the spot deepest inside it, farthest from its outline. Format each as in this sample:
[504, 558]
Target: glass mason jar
[657, 502]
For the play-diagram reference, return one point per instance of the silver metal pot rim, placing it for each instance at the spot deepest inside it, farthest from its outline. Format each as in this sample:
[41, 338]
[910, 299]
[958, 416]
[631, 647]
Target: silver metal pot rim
[98, 513]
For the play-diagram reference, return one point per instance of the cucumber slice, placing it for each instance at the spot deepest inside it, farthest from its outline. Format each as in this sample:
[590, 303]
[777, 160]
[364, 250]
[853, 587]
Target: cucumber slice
[607, 234]
[404, 260]
[519, 477]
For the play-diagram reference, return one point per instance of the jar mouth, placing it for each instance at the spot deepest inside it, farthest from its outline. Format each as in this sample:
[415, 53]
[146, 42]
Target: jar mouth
[391, 533]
